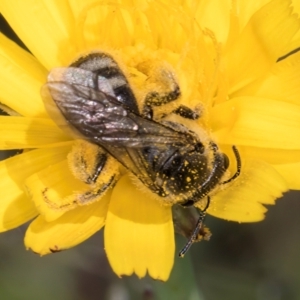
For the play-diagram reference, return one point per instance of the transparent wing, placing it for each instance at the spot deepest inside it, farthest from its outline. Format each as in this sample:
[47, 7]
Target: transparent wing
[139, 144]
[102, 119]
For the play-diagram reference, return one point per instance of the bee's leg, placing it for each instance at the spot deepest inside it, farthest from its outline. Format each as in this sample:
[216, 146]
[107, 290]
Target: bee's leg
[158, 99]
[200, 232]
[171, 92]
[187, 112]
[94, 166]
[87, 161]
[95, 194]
[163, 89]
[95, 170]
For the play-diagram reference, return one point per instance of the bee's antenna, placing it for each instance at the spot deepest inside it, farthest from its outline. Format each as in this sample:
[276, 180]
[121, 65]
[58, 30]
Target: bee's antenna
[238, 164]
[196, 231]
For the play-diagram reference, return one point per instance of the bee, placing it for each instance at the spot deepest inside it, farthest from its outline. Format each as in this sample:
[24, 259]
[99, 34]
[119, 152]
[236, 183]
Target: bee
[93, 99]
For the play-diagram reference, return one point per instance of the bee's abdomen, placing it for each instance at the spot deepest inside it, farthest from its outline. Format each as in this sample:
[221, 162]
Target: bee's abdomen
[103, 65]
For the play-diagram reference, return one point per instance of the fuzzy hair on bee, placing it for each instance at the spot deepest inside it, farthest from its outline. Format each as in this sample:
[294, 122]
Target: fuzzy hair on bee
[93, 101]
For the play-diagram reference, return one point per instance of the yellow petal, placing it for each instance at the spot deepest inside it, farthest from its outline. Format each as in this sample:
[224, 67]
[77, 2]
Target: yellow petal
[269, 155]
[267, 34]
[15, 207]
[44, 27]
[207, 12]
[295, 44]
[69, 230]
[139, 234]
[286, 162]
[243, 200]
[21, 78]
[22, 133]
[282, 83]
[111, 24]
[290, 172]
[257, 122]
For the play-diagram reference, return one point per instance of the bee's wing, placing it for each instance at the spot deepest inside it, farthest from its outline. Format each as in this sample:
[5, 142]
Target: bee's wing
[101, 118]
[98, 117]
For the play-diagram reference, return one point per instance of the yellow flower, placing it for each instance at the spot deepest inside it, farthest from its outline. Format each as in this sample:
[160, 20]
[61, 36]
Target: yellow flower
[230, 61]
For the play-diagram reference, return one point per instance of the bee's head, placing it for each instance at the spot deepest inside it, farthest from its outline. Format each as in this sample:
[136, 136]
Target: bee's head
[194, 170]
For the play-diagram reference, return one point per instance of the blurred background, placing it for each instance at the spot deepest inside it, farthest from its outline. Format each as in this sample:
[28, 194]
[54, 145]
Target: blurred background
[258, 261]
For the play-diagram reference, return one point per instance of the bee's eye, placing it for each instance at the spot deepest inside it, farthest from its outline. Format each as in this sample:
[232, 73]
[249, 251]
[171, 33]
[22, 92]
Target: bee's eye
[177, 161]
[199, 148]
[226, 161]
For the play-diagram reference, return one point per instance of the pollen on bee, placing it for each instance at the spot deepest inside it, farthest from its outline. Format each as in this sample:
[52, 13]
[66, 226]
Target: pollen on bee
[87, 161]
[96, 172]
